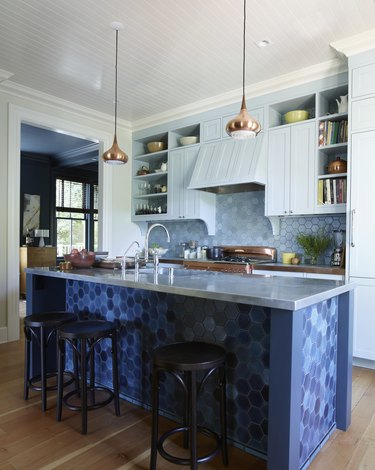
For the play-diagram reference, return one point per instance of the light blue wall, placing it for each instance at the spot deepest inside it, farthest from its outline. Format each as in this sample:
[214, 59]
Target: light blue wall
[240, 221]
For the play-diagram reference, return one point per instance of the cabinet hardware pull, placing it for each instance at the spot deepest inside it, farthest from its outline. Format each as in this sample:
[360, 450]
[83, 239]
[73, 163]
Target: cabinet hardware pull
[352, 229]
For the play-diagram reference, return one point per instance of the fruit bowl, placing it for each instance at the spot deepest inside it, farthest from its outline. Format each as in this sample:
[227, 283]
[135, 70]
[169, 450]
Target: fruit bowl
[81, 259]
[158, 251]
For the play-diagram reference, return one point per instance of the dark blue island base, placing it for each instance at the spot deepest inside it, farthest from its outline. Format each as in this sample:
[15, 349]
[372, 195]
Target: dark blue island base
[289, 372]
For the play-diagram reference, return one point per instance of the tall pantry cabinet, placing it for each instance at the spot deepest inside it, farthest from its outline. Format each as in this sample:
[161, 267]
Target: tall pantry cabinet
[361, 220]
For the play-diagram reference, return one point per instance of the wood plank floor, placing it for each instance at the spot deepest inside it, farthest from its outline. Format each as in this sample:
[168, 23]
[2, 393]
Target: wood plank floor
[32, 440]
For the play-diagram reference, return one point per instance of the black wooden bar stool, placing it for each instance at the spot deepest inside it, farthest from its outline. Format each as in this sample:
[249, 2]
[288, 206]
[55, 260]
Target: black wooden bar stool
[41, 328]
[83, 336]
[183, 361]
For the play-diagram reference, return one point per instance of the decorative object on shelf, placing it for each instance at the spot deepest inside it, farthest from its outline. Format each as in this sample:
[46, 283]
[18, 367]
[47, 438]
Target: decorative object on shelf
[295, 260]
[296, 115]
[41, 233]
[314, 244]
[243, 126]
[144, 170]
[188, 140]
[114, 155]
[164, 166]
[337, 166]
[155, 146]
[342, 104]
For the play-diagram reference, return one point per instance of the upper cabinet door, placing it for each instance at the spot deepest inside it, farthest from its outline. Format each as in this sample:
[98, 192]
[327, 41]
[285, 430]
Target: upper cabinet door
[302, 169]
[278, 173]
[363, 81]
[291, 170]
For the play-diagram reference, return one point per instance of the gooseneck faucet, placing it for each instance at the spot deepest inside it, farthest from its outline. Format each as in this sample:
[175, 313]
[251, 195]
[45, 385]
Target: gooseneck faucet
[136, 257]
[148, 235]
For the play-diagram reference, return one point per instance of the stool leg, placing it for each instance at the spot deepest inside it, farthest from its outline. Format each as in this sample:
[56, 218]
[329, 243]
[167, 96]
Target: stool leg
[43, 372]
[83, 387]
[92, 370]
[115, 385]
[27, 364]
[60, 375]
[155, 418]
[193, 420]
[187, 407]
[75, 365]
[223, 415]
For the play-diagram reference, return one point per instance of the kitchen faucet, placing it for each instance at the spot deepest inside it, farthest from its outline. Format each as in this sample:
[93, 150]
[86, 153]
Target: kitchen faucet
[156, 259]
[136, 257]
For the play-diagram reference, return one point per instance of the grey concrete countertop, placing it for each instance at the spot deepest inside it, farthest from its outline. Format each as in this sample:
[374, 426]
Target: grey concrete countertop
[269, 291]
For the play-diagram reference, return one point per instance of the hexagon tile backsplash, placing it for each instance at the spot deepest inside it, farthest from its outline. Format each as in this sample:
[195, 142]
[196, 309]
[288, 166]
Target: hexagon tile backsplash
[240, 220]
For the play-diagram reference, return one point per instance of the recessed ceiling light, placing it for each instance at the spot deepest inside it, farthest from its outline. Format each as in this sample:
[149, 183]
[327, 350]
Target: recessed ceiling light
[264, 43]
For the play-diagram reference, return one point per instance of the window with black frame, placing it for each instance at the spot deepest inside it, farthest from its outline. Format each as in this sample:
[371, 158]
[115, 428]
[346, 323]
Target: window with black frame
[76, 215]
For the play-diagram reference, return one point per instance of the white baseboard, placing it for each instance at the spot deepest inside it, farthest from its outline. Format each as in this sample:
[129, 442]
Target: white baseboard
[367, 363]
[3, 334]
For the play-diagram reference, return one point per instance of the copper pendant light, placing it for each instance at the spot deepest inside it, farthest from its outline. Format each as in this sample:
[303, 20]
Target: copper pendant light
[115, 156]
[243, 126]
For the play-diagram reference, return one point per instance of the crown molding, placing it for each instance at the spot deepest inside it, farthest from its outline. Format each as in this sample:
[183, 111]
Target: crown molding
[355, 44]
[297, 77]
[36, 96]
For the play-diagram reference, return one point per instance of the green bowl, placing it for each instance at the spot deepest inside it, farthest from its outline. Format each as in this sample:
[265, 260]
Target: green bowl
[296, 116]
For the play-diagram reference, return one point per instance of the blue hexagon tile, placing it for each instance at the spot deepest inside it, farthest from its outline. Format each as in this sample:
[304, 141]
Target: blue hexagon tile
[318, 375]
[147, 320]
[240, 220]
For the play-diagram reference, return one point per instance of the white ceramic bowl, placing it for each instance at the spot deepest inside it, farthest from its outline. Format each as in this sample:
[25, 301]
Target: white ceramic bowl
[189, 140]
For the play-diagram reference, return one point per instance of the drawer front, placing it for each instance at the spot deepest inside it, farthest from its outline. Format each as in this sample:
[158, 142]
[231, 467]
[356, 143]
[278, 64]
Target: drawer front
[363, 114]
[363, 81]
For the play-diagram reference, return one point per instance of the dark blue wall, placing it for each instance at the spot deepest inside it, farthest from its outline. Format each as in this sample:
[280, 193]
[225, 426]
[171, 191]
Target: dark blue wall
[36, 179]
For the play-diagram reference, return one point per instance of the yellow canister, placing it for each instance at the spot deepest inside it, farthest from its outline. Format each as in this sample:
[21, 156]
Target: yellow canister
[287, 257]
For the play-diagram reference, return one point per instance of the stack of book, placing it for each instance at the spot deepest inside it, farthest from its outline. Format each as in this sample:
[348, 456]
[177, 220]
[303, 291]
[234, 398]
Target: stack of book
[332, 191]
[333, 132]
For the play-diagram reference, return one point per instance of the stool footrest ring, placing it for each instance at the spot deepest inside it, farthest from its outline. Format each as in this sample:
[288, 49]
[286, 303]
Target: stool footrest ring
[33, 381]
[91, 406]
[186, 461]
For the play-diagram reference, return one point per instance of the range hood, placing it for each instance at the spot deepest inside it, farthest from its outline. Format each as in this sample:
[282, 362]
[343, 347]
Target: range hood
[231, 166]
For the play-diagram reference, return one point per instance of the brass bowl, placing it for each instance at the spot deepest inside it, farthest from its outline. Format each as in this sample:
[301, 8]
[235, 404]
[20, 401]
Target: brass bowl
[155, 146]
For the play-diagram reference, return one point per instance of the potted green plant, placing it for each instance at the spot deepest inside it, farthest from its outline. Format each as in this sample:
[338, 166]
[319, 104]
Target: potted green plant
[314, 244]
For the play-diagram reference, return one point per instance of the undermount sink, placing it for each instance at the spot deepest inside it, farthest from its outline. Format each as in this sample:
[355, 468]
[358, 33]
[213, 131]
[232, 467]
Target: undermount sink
[178, 270]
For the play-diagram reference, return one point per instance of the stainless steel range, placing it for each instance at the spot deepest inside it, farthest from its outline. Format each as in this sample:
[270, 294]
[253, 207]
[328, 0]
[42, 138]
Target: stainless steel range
[236, 259]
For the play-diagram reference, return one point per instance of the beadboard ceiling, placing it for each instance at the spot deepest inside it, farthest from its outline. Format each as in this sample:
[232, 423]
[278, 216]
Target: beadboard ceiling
[172, 53]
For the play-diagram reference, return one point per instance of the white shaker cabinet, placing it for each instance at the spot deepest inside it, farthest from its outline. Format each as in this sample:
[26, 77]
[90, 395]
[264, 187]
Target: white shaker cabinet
[361, 223]
[364, 319]
[362, 206]
[187, 203]
[291, 170]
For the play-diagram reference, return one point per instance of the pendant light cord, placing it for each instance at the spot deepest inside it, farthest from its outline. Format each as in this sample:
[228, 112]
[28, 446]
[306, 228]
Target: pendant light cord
[116, 81]
[244, 50]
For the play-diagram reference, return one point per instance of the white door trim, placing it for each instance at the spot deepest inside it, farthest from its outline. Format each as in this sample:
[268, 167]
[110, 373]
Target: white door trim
[18, 115]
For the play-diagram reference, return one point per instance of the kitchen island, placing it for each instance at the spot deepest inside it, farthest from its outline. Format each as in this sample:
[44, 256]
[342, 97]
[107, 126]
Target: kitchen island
[288, 341]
